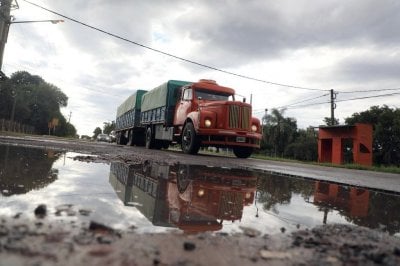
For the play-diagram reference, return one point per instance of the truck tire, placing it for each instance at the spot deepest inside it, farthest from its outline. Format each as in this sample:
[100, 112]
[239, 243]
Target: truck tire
[149, 139]
[242, 152]
[131, 138]
[183, 177]
[121, 140]
[190, 143]
[165, 144]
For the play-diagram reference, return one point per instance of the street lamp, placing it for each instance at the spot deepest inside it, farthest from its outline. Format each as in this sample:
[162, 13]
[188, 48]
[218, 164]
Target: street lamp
[6, 20]
[53, 21]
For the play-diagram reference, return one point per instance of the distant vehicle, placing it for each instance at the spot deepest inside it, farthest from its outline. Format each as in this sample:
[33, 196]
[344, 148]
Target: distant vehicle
[193, 114]
[103, 137]
[113, 138]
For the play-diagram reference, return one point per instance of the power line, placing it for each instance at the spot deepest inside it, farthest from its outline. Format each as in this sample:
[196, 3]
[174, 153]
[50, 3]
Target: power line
[171, 55]
[288, 105]
[361, 91]
[345, 100]
[367, 97]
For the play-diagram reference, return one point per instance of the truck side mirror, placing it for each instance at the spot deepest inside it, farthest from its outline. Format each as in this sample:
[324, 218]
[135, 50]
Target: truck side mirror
[199, 98]
[244, 100]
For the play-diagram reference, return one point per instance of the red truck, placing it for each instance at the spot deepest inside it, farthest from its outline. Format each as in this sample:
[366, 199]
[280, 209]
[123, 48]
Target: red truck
[193, 114]
[190, 197]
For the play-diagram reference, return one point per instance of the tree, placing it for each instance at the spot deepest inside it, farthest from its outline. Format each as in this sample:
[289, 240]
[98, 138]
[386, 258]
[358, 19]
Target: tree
[386, 132]
[96, 132]
[278, 132]
[328, 121]
[108, 127]
[30, 100]
[305, 146]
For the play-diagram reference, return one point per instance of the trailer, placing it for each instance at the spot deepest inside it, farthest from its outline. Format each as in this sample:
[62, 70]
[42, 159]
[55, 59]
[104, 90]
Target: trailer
[127, 125]
[194, 115]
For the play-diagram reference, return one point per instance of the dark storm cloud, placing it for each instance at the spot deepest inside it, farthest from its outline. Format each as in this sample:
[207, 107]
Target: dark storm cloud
[234, 32]
[255, 30]
[366, 69]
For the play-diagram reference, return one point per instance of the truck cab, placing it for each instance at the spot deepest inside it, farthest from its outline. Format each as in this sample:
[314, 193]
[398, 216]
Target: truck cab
[207, 114]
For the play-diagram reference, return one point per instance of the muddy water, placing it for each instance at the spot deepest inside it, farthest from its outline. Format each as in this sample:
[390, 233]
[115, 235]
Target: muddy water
[157, 197]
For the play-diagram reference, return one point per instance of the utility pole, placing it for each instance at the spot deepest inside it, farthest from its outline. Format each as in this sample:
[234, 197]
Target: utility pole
[69, 117]
[5, 19]
[333, 107]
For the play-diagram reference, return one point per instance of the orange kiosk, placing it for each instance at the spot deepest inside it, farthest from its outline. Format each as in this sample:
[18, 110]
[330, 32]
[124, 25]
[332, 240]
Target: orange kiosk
[331, 143]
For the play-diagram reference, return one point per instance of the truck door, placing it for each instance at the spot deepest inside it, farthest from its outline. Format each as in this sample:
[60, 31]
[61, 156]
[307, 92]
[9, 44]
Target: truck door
[183, 107]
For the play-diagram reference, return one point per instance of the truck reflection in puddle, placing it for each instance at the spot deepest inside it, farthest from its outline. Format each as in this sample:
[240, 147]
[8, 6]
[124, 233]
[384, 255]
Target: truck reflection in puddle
[190, 197]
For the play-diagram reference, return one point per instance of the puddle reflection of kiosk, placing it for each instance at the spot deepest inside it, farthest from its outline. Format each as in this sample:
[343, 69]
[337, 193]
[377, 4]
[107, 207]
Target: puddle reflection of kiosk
[191, 198]
[351, 200]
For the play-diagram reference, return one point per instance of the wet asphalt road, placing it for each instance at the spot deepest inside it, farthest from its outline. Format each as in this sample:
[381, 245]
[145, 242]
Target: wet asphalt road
[112, 152]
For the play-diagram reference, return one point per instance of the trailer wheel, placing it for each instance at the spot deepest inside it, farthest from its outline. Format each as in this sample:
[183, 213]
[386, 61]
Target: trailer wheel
[149, 139]
[165, 144]
[242, 152]
[130, 138]
[190, 143]
[121, 140]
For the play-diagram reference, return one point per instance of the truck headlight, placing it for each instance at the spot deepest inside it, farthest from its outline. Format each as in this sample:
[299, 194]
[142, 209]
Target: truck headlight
[254, 128]
[207, 123]
[200, 193]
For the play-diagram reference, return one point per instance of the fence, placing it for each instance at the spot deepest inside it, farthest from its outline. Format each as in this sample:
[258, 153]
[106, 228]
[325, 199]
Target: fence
[12, 126]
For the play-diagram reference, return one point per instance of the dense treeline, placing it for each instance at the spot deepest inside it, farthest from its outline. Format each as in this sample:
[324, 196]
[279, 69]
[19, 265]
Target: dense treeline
[30, 100]
[386, 132]
[282, 138]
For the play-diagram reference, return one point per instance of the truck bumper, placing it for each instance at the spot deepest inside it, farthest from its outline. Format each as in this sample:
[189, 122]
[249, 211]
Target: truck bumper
[228, 138]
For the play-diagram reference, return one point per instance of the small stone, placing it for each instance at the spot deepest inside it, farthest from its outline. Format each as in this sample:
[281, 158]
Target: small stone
[41, 211]
[396, 251]
[84, 212]
[100, 251]
[189, 246]
[283, 229]
[98, 227]
[250, 232]
[16, 216]
[278, 255]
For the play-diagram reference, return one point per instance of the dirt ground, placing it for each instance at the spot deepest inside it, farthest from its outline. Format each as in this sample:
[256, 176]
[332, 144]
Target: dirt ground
[41, 242]
[38, 242]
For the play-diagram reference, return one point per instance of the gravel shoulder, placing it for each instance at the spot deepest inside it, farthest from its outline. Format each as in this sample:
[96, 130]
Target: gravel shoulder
[44, 242]
[38, 242]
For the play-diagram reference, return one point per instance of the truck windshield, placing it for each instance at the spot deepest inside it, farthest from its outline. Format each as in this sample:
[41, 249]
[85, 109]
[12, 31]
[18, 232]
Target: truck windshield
[211, 95]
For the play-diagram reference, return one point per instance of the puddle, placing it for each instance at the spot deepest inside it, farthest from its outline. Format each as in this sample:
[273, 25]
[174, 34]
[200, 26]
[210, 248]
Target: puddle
[157, 197]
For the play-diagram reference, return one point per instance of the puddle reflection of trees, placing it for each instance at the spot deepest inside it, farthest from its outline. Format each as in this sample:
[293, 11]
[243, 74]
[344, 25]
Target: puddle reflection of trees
[358, 206]
[25, 169]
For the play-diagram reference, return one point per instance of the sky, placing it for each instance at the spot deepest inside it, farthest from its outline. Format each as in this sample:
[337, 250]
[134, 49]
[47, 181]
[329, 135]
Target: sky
[312, 46]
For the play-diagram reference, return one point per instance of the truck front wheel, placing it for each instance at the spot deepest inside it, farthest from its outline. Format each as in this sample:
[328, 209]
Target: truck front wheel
[242, 152]
[190, 143]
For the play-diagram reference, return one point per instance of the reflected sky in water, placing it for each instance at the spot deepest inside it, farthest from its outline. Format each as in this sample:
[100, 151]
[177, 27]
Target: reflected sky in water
[157, 198]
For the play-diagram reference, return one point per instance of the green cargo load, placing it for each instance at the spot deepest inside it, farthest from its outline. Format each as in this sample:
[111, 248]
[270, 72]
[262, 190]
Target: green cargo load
[163, 95]
[133, 102]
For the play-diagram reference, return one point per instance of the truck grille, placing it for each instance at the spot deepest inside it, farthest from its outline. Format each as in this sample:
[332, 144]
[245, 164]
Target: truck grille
[231, 205]
[239, 117]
